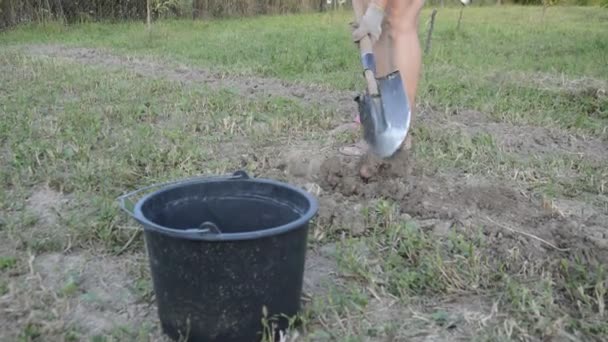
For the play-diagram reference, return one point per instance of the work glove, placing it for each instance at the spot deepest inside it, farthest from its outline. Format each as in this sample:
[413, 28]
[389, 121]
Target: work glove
[370, 24]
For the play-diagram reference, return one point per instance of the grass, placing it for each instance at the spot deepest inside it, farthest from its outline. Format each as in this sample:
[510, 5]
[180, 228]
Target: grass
[59, 129]
[7, 263]
[519, 51]
[554, 173]
[569, 41]
[91, 134]
[540, 297]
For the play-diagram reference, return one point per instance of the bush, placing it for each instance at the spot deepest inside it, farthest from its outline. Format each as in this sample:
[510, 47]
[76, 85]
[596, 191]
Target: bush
[13, 12]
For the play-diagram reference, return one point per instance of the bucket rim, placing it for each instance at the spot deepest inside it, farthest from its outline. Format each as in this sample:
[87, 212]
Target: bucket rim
[304, 219]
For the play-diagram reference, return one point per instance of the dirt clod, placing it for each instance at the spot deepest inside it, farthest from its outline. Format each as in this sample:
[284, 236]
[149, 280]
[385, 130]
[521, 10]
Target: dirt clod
[342, 215]
[439, 201]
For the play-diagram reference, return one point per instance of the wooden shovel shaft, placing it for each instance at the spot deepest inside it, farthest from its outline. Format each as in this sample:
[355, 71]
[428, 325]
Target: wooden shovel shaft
[365, 46]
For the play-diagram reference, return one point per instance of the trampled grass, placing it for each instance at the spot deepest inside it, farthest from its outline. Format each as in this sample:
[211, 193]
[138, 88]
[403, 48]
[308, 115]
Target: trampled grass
[90, 134]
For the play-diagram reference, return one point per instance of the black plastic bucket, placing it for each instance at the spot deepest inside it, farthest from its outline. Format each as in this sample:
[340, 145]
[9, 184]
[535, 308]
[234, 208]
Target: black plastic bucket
[223, 250]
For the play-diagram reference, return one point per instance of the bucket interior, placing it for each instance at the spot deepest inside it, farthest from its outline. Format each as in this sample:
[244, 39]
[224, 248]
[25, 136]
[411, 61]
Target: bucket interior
[234, 206]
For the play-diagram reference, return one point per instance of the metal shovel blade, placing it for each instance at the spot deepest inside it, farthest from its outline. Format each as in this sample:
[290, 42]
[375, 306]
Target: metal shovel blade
[386, 117]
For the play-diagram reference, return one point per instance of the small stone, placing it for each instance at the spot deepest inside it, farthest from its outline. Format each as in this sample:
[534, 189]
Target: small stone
[405, 217]
[442, 228]
[427, 223]
[314, 168]
[365, 172]
[313, 188]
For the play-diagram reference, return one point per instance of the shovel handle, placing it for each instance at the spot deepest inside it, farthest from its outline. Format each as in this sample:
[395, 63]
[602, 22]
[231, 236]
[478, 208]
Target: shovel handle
[367, 52]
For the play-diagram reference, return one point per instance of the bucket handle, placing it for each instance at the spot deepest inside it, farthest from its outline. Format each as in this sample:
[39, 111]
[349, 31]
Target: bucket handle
[206, 226]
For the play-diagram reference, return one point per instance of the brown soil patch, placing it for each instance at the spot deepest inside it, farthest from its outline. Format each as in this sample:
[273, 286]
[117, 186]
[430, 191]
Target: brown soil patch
[321, 269]
[470, 202]
[249, 86]
[553, 82]
[81, 295]
[524, 140]
[46, 204]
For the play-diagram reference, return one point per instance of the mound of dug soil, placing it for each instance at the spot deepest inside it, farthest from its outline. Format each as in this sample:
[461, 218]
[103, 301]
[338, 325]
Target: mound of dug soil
[367, 176]
[463, 200]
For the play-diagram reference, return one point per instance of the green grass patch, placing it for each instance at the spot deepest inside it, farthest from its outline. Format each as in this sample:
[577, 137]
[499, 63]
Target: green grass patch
[94, 135]
[554, 174]
[7, 262]
[3, 287]
[317, 46]
[497, 62]
[539, 297]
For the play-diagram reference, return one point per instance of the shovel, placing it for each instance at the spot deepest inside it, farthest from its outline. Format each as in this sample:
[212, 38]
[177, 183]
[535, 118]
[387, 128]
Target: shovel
[384, 109]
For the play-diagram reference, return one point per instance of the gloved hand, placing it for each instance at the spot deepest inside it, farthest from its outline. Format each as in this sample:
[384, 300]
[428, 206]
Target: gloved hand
[370, 23]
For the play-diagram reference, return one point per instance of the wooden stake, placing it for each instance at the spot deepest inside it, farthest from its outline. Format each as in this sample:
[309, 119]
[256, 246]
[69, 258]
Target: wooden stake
[149, 17]
[427, 47]
[460, 18]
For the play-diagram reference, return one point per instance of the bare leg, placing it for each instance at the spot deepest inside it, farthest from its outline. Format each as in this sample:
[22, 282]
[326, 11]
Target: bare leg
[384, 53]
[401, 50]
[403, 19]
[399, 47]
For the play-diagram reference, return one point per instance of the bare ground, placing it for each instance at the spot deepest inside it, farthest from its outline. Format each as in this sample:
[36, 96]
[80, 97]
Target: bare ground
[92, 293]
[523, 140]
[249, 86]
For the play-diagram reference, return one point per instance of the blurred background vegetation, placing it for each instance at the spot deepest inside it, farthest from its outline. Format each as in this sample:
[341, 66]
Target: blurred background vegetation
[13, 12]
